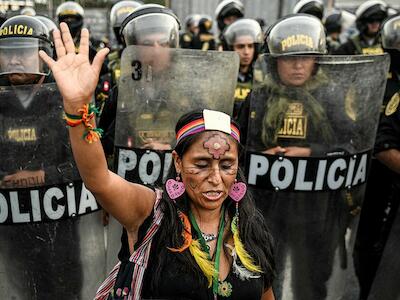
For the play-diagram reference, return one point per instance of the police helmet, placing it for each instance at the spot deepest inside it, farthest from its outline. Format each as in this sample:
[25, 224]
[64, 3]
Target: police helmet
[311, 7]
[119, 12]
[49, 24]
[205, 23]
[23, 36]
[226, 9]
[192, 20]
[333, 22]
[72, 14]
[151, 20]
[295, 35]
[243, 28]
[28, 11]
[390, 33]
[370, 11]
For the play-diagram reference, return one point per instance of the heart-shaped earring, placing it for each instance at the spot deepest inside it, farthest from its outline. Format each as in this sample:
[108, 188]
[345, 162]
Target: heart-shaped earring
[237, 191]
[175, 188]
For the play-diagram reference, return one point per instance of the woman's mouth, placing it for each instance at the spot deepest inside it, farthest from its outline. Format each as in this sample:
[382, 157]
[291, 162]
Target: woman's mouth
[212, 195]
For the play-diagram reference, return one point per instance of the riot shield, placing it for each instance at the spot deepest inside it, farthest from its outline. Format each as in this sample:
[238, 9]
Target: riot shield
[157, 86]
[49, 236]
[311, 129]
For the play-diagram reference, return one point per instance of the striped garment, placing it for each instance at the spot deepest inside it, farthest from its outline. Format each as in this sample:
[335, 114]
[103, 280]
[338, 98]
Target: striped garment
[139, 257]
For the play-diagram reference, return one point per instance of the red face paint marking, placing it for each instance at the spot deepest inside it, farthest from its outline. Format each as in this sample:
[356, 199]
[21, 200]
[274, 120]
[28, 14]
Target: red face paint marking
[216, 146]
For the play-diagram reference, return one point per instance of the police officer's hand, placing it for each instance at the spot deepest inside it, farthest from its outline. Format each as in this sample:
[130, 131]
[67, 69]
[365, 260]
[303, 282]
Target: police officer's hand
[76, 78]
[298, 151]
[23, 178]
[155, 145]
[275, 151]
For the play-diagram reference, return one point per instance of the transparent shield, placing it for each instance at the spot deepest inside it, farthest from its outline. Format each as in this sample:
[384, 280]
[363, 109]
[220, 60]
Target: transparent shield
[311, 130]
[51, 235]
[158, 85]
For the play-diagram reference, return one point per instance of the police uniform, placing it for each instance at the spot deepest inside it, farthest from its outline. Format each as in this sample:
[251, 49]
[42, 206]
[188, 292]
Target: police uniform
[359, 44]
[377, 216]
[308, 227]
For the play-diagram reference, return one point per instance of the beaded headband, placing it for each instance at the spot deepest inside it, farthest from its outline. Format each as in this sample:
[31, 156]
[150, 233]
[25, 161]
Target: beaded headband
[211, 120]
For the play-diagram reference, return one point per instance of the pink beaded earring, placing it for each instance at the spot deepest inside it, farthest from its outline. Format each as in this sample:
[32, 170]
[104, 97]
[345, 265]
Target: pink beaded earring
[175, 188]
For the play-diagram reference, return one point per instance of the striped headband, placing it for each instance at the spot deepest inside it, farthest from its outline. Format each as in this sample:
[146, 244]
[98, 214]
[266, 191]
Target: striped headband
[211, 120]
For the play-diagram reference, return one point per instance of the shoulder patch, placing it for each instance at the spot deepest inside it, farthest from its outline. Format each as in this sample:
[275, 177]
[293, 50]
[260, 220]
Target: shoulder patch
[391, 107]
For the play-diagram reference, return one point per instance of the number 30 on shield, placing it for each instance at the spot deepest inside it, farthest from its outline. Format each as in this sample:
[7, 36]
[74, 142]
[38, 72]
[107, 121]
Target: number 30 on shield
[136, 70]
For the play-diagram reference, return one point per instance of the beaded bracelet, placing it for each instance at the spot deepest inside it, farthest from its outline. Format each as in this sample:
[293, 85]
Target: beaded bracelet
[87, 113]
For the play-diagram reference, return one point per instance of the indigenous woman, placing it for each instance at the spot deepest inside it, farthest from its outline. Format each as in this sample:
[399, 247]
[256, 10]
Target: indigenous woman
[199, 238]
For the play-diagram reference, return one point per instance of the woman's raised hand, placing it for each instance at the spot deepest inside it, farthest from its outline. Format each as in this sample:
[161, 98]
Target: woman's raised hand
[76, 78]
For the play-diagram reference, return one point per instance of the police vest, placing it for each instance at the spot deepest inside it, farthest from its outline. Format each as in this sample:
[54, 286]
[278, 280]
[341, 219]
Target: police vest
[364, 48]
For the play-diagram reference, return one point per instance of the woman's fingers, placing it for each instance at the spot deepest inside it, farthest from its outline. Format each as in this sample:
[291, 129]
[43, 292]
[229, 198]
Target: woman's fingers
[84, 43]
[58, 44]
[99, 59]
[67, 38]
[47, 59]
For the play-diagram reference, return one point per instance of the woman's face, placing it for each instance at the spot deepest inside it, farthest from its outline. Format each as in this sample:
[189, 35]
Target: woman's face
[295, 70]
[208, 169]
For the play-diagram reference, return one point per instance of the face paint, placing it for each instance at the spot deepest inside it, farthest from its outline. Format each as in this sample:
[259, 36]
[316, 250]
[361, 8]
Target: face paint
[217, 146]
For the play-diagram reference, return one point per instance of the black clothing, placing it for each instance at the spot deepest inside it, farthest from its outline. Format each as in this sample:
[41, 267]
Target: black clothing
[203, 41]
[179, 281]
[381, 198]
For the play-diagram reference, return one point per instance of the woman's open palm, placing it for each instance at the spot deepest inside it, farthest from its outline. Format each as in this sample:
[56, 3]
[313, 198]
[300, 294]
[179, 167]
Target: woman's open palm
[76, 78]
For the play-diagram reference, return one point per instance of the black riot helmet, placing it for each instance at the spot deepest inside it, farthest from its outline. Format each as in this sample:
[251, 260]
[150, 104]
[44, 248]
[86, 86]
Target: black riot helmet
[333, 22]
[311, 7]
[21, 38]
[226, 9]
[297, 34]
[390, 33]
[370, 11]
[72, 14]
[205, 24]
[119, 12]
[150, 24]
[244, 30]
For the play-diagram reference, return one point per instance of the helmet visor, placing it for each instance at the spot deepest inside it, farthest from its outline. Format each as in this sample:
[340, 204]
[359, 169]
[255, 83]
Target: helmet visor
[297, 35]
[21, 55]
[152, 30]
[391, 34]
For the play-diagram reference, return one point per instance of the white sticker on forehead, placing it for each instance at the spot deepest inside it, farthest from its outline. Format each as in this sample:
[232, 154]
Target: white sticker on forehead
[216, 120]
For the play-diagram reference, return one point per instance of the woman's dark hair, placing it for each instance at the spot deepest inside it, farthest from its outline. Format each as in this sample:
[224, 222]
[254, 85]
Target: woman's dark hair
[252, 227]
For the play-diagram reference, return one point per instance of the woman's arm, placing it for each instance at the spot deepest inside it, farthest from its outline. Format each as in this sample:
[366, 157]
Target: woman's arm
[76, 79]
[268, 295]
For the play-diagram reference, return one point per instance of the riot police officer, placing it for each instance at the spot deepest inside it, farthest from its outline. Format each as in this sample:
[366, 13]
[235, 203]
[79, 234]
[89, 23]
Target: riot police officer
[73, 14]
[34, 156]
[288, 116]
[382, 196]
[191, 30]
[227, 12]
[311, 7]
[136, 30]
[369, 16]
[333, 27]
[204, 39]
[244, 37]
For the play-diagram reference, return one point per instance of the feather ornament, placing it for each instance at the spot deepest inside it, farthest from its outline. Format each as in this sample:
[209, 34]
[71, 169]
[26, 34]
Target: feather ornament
[202, 260]
[243, 255]
[186, 233]
[240, 271]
